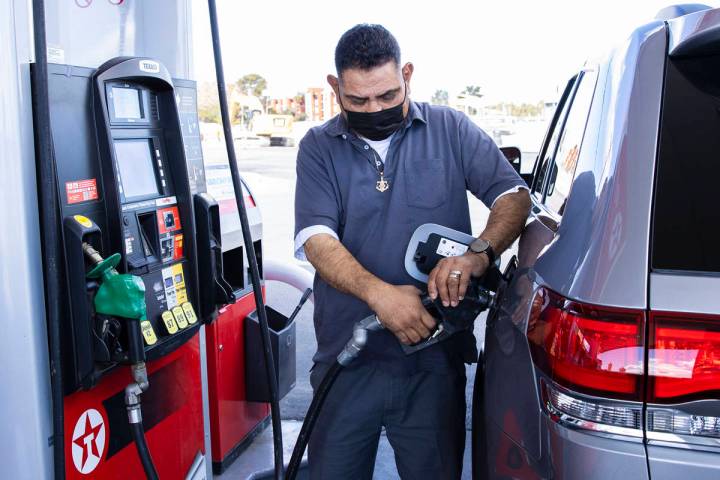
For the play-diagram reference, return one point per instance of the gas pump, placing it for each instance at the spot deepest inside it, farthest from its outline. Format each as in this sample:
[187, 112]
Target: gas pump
[125, 194]
[127, 181]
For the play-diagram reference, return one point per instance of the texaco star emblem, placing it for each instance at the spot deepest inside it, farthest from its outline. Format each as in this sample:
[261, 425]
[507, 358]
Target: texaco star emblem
[88, 441]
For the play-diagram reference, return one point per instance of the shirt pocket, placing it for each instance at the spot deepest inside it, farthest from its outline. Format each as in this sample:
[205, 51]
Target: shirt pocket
[364, 201]
[426, 182]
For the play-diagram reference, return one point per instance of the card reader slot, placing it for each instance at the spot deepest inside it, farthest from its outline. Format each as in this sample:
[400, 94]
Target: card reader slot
[149, 235]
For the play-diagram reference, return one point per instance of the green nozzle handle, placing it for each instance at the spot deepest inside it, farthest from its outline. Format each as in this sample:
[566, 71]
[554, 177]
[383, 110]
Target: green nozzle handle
[119, 295]
[102, 266]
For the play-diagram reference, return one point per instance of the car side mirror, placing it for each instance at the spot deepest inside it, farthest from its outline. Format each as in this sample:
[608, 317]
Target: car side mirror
[514, 156]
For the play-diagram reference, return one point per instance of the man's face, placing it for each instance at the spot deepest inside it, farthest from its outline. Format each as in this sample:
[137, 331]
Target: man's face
[373, 90]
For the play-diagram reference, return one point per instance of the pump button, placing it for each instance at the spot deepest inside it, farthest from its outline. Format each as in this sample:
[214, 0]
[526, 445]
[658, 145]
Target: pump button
[189, 313]
[169, 321]
[148, 332]
[180, 317]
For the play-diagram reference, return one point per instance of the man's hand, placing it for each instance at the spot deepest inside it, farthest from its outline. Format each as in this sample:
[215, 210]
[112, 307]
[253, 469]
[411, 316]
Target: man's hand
[400, 310]
[452, 288]
[506, 221]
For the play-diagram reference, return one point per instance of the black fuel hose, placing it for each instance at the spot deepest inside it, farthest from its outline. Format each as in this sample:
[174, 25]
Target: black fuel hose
[138, 435]
[352, 350]
[249, 246]
[311, 418]
[50, 222]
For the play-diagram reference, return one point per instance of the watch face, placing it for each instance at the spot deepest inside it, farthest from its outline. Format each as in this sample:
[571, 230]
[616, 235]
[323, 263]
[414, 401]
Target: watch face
[479, 245]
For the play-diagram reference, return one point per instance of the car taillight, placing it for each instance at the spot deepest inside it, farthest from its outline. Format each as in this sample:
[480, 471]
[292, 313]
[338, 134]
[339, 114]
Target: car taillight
[684, 357]
[588, 349]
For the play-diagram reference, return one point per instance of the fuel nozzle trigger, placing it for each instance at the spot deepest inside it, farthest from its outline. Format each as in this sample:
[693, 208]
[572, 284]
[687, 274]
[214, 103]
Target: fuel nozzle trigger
[451, 320]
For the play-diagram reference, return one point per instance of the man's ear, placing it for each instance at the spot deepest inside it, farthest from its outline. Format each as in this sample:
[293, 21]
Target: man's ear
[334, 84]
[407, 71]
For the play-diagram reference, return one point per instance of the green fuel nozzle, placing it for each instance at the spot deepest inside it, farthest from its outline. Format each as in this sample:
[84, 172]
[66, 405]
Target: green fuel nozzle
[120, 295]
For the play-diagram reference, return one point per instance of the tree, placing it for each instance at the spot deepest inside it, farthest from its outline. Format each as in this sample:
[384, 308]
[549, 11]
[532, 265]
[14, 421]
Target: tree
[299, 106]
[252, 84]
[208, 104]
[440, 97]
[473, 90]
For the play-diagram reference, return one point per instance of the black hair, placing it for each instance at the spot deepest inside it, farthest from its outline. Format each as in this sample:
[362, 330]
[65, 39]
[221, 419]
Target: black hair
[366, 46]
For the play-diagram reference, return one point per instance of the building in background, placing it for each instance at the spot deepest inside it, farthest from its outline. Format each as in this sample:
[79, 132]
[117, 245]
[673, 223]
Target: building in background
[320, 104]
[294, 106]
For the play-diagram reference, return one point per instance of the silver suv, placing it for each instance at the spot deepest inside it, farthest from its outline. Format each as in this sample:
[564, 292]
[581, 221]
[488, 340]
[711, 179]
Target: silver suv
[602, 357]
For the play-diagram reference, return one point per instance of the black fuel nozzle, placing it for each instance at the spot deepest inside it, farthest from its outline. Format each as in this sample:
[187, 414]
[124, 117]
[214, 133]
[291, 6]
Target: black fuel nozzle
[476, 300]
[451, 320]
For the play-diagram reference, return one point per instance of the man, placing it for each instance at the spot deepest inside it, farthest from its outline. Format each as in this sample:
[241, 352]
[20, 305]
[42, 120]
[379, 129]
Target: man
[365, 181]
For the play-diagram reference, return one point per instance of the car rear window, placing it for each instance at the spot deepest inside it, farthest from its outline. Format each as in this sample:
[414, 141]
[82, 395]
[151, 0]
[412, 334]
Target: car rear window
[686, 222]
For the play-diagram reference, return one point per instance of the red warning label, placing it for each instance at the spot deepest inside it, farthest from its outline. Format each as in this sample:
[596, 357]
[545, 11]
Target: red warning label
[178, 253]
[168, 219]
[81, 191]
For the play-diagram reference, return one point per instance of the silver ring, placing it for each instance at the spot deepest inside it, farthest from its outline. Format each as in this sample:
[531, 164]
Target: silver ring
[455, 274]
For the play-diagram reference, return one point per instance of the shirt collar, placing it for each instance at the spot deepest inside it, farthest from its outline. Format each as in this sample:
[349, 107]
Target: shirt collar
[338, 125]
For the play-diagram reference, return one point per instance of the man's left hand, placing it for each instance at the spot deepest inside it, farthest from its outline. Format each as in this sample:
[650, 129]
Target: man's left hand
[451, 287]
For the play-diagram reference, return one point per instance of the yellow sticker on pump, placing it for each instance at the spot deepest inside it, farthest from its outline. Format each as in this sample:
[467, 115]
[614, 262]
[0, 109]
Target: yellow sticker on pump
[189, 313]
[169, 321]
[180, 317]
[148, 333]
[179, 283]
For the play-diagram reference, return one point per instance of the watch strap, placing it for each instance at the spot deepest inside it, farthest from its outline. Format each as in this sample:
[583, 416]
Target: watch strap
[490, 253]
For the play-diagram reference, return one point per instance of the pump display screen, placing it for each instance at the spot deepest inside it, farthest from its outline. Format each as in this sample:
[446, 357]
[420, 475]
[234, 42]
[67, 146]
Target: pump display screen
[126, 102]
[137, 174]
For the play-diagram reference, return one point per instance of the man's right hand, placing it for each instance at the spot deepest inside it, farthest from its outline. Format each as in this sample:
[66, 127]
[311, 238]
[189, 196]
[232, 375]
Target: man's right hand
[400, 310]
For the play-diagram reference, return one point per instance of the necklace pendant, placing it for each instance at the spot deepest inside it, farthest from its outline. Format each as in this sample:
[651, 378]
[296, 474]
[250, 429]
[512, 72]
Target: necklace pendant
[382, 185]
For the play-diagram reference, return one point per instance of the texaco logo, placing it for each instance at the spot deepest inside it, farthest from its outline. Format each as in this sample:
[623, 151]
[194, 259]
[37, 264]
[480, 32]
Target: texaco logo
[88, 441]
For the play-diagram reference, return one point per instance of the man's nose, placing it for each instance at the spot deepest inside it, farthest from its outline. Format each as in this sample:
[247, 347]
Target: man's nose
[373, 106]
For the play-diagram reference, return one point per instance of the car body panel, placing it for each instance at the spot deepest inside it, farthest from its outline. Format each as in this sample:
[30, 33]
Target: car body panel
[685, 292]
[671, 463]
[696, 34]
[596, 253]
[601, 250]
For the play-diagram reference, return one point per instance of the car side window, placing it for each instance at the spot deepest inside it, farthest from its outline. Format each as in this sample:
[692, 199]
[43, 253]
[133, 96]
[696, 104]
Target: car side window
[550, 143]
[562, 168]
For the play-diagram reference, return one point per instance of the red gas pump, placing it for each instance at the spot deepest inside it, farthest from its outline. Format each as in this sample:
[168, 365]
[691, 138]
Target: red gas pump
[234, 420]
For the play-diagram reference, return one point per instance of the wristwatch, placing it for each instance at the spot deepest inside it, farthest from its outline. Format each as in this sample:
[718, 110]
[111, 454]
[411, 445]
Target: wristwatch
[483, 246]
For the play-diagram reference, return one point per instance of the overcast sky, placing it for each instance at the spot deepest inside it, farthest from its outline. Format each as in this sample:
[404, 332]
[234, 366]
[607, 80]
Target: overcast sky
[515, 50]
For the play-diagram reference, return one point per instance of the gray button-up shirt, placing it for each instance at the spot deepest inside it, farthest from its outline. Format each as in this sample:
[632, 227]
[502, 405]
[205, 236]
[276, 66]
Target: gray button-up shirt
[432, 161]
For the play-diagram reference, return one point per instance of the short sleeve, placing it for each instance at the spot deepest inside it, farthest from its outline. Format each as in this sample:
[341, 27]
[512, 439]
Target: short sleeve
[488, 174]
[316, 197]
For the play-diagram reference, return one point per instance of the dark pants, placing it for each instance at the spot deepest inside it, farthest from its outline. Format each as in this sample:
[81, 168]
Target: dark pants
[423, 415]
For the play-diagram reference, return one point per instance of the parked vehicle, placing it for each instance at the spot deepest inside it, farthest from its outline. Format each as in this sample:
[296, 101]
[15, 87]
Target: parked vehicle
[602, 355]
[244, 138]
[278, 128]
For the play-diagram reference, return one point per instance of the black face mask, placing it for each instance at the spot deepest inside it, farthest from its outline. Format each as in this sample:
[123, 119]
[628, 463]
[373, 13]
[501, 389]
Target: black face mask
[377, 125]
